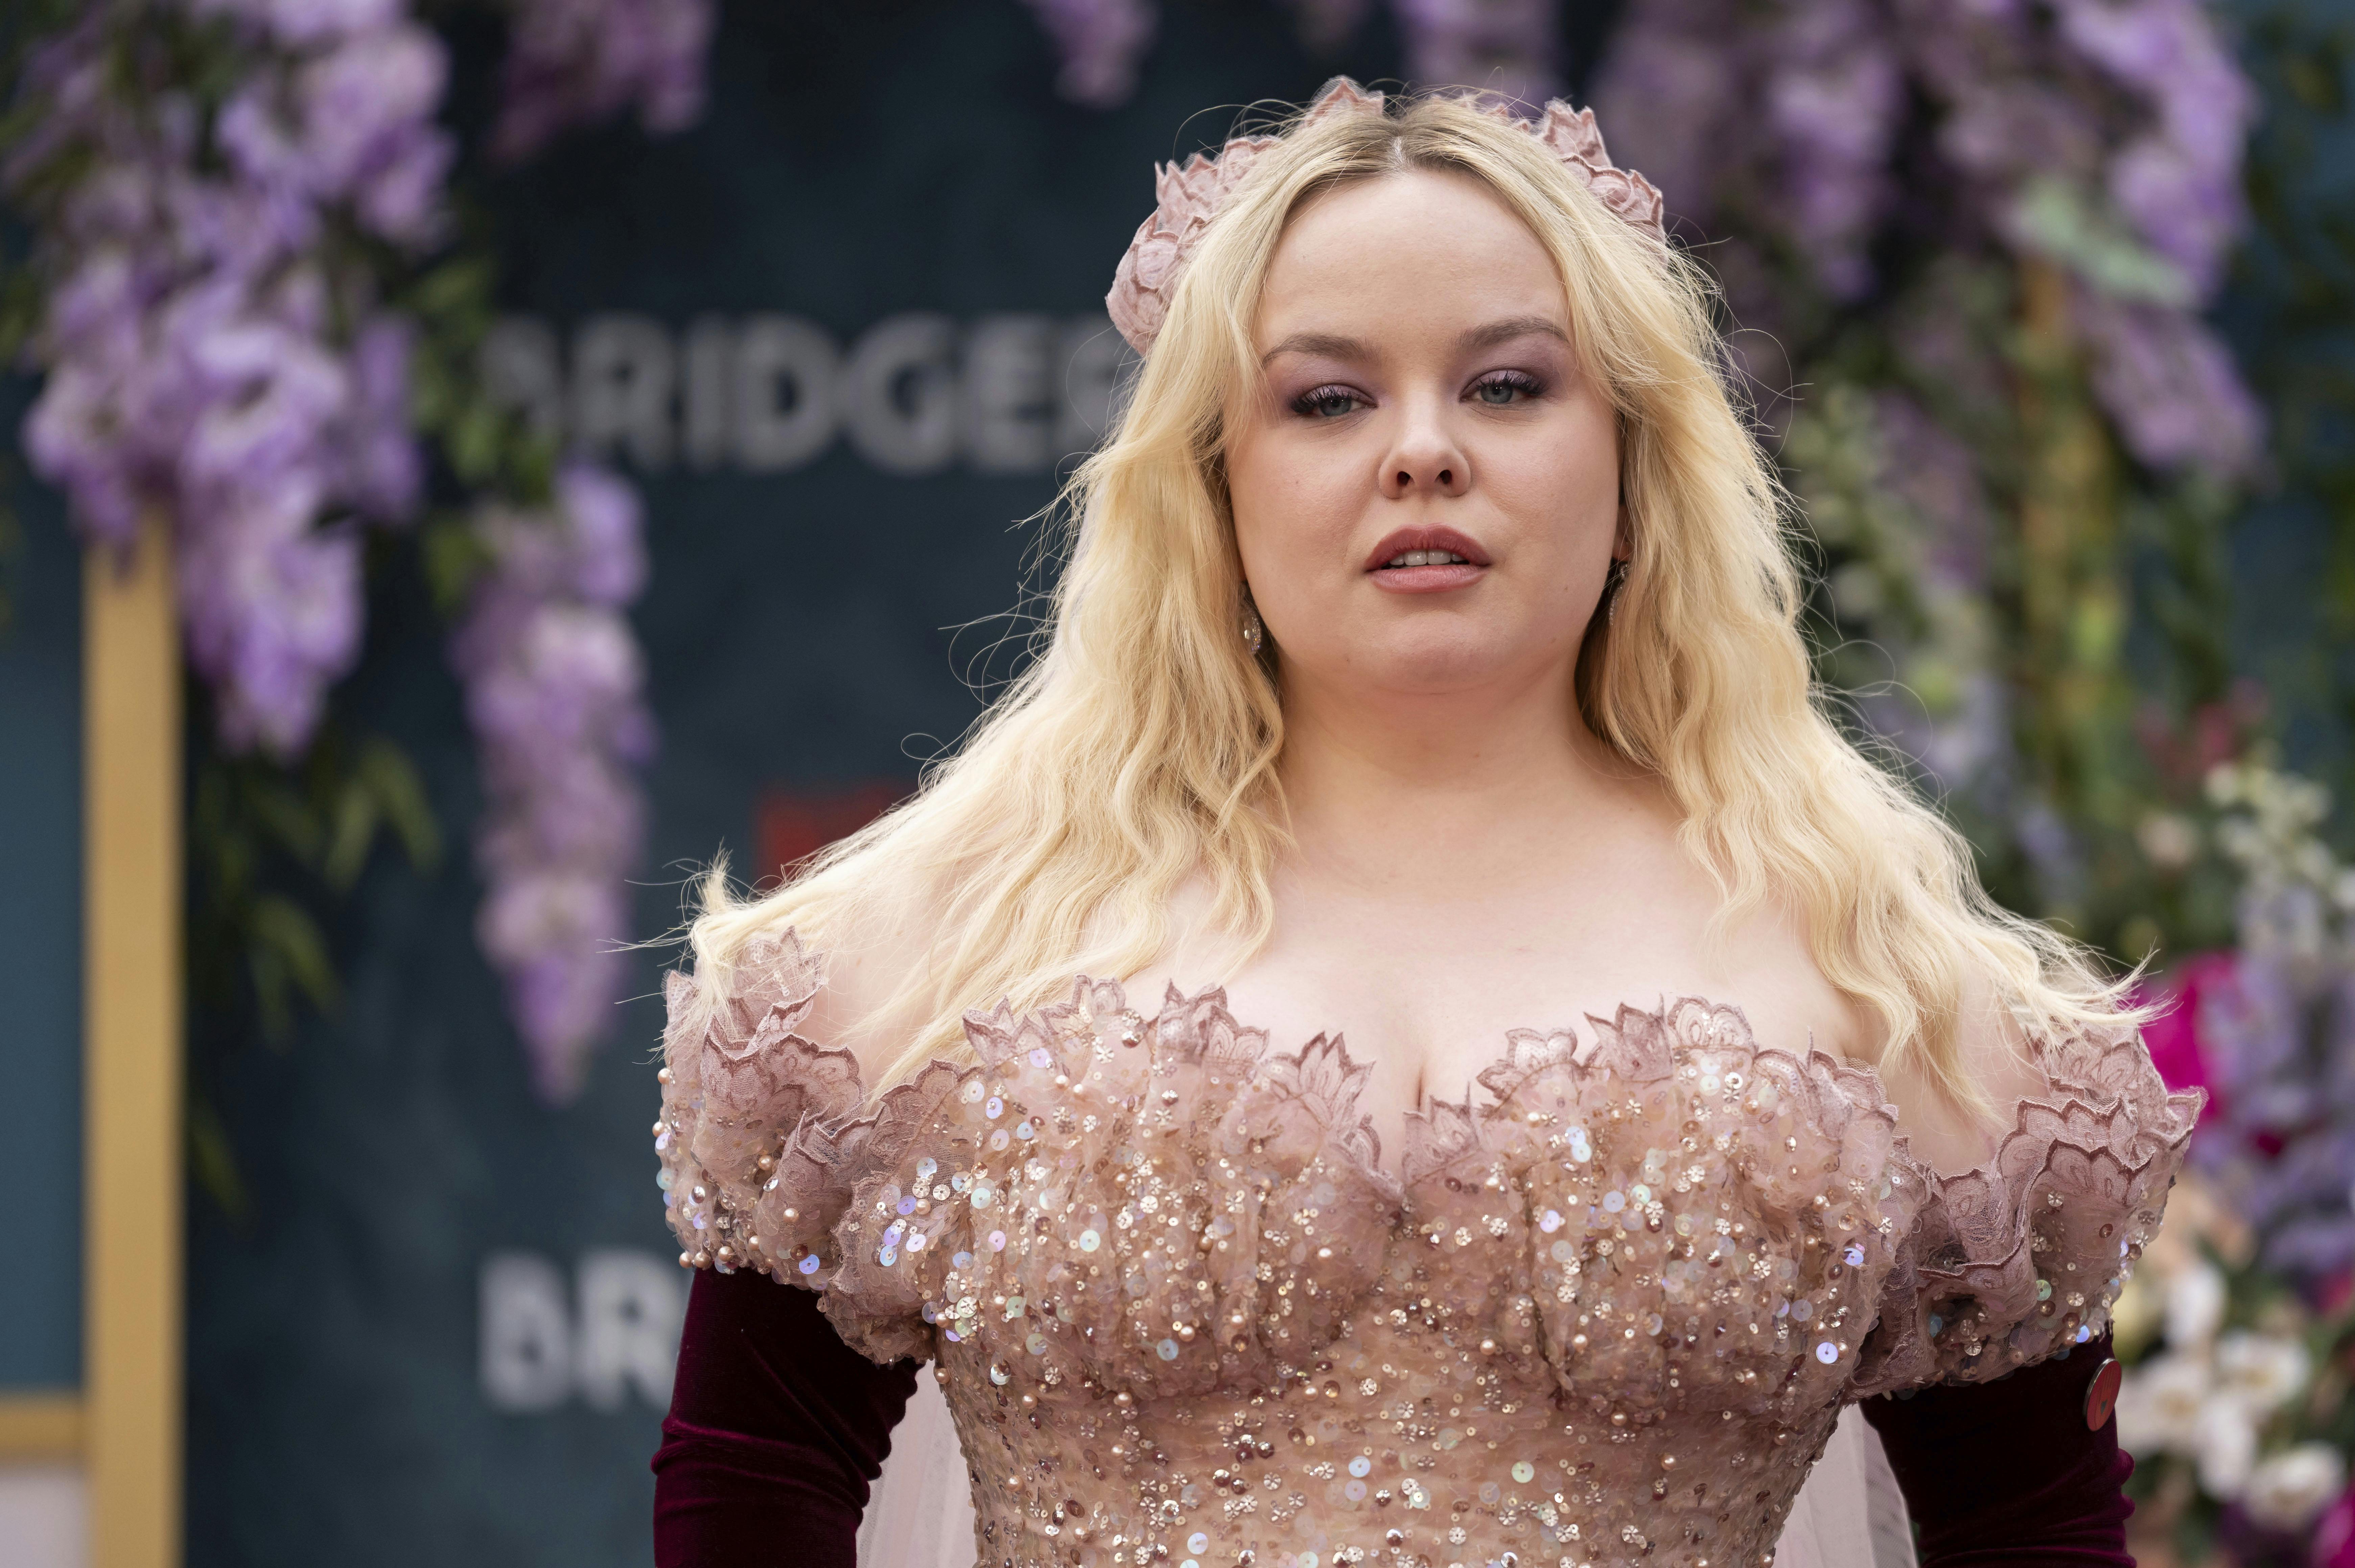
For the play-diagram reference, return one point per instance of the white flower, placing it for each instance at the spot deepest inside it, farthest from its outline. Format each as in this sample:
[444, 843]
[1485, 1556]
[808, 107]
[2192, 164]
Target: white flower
[2168, 839]
[2195, 1306]
[2265, 1371]
[2160, 1404]
[2225, 1446]
[2138, 1310]
[2290, 1489]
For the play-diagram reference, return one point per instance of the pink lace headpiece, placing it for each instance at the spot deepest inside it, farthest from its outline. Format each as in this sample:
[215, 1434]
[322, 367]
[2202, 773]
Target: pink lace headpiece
[1191, 194]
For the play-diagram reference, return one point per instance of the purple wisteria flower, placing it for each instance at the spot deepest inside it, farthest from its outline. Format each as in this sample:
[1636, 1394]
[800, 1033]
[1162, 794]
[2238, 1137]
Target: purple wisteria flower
[1677, 71]
[2104, 135]
[2035, 132]
[300, 24]
[1832, 99]
[216, 361]
[1506, 48]
[2179, 180]
[353, 123]
[1100, 42]
[574, 62]
[197, 374]
[554, 695]
[2170, 383]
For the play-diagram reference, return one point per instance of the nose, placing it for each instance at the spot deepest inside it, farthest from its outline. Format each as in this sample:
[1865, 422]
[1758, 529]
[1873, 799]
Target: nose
[1425, 460]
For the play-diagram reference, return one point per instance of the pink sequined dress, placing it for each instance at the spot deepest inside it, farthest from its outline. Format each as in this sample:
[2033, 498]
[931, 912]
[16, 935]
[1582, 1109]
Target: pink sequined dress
[1607, 1311]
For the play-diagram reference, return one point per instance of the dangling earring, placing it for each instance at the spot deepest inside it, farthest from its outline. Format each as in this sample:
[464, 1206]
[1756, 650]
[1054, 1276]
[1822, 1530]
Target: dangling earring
[1254, 632]
[1611, 585]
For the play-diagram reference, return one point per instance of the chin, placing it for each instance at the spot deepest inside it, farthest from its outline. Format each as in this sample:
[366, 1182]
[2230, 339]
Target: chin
[1433, 665]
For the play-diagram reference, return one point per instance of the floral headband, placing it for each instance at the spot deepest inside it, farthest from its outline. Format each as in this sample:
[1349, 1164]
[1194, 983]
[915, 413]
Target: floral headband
[1191, 195]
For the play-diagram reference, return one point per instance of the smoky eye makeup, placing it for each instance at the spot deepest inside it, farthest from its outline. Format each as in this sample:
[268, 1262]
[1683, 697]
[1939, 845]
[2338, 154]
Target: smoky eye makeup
[1504, 389]
[1327, 400]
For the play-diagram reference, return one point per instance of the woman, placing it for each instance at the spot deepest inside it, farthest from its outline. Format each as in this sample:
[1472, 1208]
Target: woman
[1427, 664]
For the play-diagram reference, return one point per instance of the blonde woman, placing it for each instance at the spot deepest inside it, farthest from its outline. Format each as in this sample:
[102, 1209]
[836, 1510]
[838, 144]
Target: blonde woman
[1426, 668]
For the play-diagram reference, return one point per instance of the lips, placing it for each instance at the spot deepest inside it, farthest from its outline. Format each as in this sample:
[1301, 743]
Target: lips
[1458, 560]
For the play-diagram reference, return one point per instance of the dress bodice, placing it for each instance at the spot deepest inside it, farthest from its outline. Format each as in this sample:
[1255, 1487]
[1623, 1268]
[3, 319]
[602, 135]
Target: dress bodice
[1607, 1310]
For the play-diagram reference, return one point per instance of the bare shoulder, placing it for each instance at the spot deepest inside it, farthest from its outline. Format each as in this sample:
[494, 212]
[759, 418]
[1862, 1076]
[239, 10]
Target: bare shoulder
[1995, 1057]
[875, 962]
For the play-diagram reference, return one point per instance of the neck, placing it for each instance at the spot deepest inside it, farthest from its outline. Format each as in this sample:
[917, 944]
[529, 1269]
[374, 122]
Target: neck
[1434, 794]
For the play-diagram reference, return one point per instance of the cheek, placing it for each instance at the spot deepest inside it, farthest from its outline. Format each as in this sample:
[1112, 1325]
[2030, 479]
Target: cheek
[1290, 500]
[1572, 478]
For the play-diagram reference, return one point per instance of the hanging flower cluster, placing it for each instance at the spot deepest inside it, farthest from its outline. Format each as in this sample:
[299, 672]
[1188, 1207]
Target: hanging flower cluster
[555, 695]
[216, 358]
[1505, 48]
[225, 192]
[1100, 42]
[1975, 241]
[554, 679]
[2104, 134]
[574, 62]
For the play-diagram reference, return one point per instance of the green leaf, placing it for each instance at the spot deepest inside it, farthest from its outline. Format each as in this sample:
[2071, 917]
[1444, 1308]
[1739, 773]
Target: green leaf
[270, 993]
[460, 286]
[284, 930]
[213, 1158]
[400, 795]
[454, 556]
[474, 443]
[351, 836]
[2053, 218]
[287, 818]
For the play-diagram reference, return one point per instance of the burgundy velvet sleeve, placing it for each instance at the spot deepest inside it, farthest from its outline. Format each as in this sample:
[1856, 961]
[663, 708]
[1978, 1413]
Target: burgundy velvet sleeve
[776, 1428]
[2006, 1472]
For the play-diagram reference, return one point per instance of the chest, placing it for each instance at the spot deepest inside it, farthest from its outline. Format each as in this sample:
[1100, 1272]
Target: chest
[1427, 991]
[1666, 1250]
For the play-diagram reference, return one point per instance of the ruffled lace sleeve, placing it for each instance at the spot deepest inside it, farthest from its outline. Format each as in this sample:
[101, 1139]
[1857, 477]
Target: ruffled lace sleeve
[748, 1103]
[2023, 1257]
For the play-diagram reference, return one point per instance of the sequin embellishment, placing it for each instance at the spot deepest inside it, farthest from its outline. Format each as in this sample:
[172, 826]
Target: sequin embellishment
[1184, 1315]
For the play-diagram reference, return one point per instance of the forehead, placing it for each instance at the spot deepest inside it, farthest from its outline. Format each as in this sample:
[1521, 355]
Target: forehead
[1419, 245]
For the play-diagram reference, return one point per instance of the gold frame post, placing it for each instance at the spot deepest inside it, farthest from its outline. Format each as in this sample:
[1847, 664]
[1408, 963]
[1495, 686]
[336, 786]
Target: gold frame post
[134, 1142]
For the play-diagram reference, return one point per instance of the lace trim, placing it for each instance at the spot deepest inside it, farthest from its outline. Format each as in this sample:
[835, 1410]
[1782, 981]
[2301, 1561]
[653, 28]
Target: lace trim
[2022, 1257]
[768, 1163]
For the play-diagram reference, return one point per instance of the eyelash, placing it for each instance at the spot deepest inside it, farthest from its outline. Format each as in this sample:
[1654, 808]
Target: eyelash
[1307, 402]
[1521, 381]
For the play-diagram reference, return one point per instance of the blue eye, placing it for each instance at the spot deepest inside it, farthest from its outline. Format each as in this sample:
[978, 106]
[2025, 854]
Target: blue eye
[1502, 390]
[1326, 403]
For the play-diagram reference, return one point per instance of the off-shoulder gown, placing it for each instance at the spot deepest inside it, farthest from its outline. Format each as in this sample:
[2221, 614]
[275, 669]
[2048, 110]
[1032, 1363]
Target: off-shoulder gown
[1607, 1310]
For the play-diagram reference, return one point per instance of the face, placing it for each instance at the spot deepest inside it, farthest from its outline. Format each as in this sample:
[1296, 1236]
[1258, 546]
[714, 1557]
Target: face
[1426, 489]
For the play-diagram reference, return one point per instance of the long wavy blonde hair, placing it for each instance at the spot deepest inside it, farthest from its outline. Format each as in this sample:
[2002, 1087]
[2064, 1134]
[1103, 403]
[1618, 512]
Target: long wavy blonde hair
[1140, 750]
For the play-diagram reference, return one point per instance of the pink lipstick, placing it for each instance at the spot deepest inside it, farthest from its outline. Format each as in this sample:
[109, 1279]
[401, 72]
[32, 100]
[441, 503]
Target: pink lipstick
[1426, 561]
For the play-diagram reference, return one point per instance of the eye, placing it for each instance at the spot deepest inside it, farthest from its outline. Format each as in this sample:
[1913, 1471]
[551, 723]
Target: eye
[1503, 388]
[1327, 402]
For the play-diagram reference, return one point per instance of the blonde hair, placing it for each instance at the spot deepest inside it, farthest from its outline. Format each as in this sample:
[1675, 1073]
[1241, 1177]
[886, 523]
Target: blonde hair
[1141, 747]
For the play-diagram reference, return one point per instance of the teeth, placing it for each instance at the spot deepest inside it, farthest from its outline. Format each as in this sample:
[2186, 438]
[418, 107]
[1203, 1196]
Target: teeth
[1426, 559]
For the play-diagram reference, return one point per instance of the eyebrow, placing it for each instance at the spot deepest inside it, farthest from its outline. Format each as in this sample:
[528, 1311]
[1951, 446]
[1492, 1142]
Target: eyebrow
[1511, 327]
[1334, 347]
[1330, 345]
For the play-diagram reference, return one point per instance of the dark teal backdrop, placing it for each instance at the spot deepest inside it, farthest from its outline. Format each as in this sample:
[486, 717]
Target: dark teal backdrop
[40, 940]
